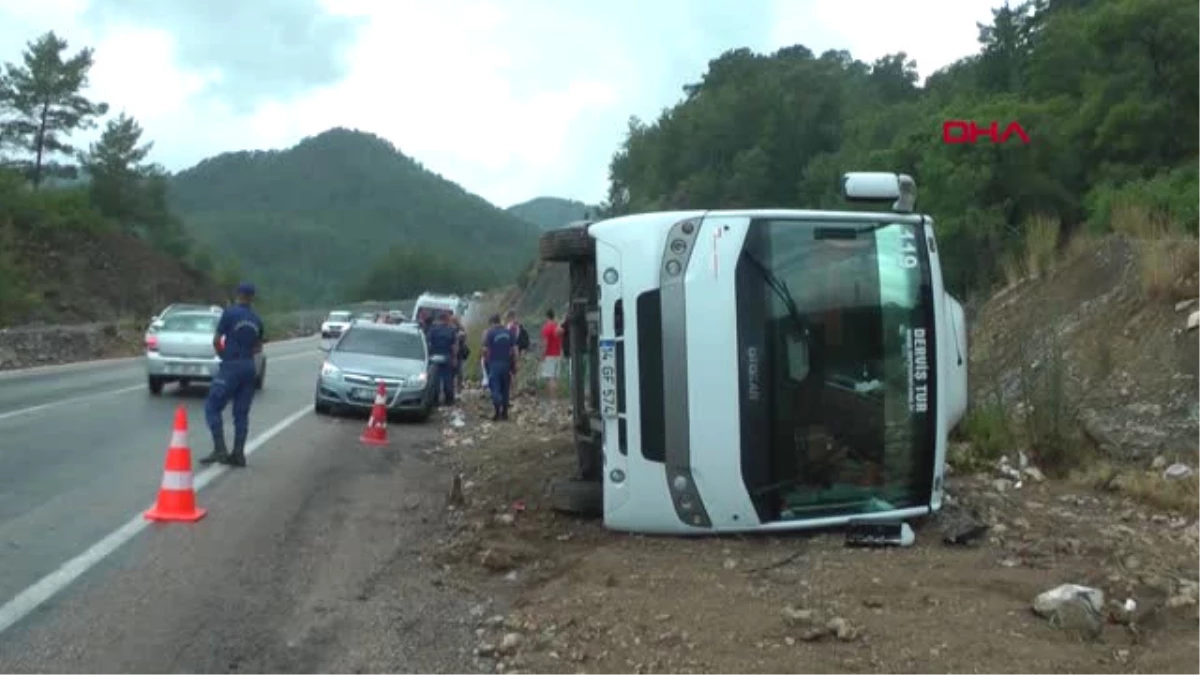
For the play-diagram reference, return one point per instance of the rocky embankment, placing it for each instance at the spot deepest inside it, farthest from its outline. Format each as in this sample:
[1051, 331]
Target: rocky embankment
[30, 346]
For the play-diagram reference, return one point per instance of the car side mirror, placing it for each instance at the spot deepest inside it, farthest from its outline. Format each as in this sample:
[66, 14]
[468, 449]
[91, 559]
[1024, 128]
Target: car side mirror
[154, 318]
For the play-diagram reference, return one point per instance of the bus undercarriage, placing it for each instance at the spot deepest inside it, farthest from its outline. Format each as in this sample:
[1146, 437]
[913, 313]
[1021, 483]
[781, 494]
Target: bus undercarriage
[583, 494]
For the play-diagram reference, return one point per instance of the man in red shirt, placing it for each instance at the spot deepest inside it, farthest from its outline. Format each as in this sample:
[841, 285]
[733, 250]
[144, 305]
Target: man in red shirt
[551, 353]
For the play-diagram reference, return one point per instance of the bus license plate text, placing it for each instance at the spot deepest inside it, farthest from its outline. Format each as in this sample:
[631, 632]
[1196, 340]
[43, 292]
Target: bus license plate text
[608, 379]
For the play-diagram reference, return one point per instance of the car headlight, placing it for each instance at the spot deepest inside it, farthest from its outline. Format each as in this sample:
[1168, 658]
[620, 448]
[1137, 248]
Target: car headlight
[418, 380]
[330, 370]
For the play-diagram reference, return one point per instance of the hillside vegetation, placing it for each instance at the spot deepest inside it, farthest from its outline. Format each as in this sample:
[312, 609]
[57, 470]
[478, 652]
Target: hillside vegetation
[551, 212]
[75, 250]
[1105, 89]
[356, 217]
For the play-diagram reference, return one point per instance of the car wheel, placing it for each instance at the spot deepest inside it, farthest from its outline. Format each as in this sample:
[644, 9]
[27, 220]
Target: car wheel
[583, 498]
[321, 408]
[154, 384]
[261, 380]
[424, 414]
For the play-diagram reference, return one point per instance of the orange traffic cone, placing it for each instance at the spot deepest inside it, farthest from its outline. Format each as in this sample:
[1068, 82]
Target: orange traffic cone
[376, 433]
[177, 497]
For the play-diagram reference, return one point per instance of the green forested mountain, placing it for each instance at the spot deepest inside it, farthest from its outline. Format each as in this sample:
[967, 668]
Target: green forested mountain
[1106, 90]
[549, 213]
[332, 216]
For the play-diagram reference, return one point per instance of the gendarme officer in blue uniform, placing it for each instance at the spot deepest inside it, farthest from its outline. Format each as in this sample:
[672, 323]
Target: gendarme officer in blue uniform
[443, 353]
[242, 333]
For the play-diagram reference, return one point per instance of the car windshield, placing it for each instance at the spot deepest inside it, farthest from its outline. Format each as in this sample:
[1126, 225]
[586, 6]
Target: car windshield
[190, 323]
[394, 343]
[339, 316]
[835, 333]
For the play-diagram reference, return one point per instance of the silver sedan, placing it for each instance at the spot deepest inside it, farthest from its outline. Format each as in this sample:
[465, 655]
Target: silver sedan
[369, 354]
[181, 350]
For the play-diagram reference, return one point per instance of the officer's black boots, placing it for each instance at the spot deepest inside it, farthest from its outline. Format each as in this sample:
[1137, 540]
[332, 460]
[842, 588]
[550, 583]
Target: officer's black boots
[219, 453]
[238, 458]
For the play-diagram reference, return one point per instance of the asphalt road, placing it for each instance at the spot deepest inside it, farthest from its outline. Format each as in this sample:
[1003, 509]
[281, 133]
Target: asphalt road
[309, 559]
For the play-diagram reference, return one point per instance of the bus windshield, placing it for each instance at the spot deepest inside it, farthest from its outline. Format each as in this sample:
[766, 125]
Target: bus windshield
[835, 342]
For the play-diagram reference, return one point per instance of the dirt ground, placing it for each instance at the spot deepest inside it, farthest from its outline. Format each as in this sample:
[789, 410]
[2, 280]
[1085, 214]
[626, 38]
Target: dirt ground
[588, 600]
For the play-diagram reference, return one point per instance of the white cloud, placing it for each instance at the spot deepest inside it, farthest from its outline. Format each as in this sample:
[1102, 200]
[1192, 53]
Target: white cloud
[933, 32]
[510, 98]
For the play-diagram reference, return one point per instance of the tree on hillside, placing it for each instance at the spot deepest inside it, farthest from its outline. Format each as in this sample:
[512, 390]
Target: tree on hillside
[115, 164]
[42, 102]
[130, 191]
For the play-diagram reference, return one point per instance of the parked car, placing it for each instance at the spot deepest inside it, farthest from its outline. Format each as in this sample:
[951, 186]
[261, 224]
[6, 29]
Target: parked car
[181, 351]
[334, 324]
[370, 353]
[156, 321]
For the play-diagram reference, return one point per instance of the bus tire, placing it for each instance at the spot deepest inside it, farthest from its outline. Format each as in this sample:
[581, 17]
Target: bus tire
[578, 498]
[567, 244]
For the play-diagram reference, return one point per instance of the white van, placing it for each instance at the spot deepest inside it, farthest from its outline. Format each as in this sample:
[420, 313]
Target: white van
[429, 305]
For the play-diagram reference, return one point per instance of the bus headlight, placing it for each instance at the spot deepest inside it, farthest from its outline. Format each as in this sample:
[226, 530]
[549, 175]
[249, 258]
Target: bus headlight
[680, 483]
[674, 268]
[617, 476]
[611, 276]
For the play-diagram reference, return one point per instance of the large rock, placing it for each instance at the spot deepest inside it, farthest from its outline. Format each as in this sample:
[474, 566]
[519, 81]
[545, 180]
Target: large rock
[1139, 432]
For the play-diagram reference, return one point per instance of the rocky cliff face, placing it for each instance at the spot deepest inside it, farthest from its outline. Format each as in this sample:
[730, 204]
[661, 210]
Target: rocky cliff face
[1096, 345]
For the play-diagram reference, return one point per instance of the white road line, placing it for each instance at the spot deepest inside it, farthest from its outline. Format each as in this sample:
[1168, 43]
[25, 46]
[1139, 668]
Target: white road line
[66, 401]
[114, 392]
[50, 585]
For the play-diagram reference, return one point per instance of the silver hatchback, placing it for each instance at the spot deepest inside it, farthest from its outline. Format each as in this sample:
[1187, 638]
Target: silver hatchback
[368, 354]
[181, 350]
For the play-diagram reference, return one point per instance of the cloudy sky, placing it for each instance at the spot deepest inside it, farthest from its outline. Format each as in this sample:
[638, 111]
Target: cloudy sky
[510, 98]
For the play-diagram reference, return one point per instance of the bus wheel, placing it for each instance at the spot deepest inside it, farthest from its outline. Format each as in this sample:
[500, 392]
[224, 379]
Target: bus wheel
[567, 244]
[578, 498]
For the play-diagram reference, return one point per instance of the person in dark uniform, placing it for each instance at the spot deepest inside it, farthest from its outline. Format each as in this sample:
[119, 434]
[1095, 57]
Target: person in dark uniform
[238, 338]
[443, 354]
[464, 353]
[499, 355]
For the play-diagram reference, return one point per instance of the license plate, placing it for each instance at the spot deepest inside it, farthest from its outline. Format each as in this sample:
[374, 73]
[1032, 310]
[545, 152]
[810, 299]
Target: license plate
[363, 394]
[186, 370]
[608, 379]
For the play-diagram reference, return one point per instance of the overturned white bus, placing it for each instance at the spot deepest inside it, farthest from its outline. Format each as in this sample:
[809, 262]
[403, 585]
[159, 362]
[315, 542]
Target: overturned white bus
[763, 369]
